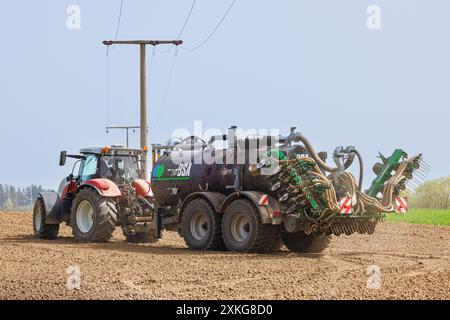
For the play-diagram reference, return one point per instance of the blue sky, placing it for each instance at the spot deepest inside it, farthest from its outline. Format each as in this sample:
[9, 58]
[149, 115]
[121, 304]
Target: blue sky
[272, 64]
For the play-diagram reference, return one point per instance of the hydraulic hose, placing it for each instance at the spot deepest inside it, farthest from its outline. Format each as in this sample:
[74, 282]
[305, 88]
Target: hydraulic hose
[361, 169]
[322, 165]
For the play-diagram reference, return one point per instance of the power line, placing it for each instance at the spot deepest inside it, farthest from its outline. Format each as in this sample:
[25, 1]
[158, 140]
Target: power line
[118, 23]
[166, 93]
[214, 30]
[187, 19]
[108, 69]
[107, 90]
[150, 69]
[182, 28]
[194, 48]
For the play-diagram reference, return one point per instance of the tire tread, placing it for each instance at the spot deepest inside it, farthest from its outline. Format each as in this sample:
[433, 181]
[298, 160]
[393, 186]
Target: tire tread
[216, 242]
[48, 231]
[106, 215]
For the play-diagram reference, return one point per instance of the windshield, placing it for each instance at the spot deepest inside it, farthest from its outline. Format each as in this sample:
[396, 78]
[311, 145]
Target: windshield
[88, 169]
[120, 169]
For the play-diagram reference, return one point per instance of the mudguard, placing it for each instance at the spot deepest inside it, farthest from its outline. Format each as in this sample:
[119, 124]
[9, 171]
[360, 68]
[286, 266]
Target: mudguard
[269, 210]
[52, 205]
[143, 188]
[104, 187]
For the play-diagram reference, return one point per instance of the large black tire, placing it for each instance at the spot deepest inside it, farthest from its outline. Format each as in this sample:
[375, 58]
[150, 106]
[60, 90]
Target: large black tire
[201, 226]
[41, 229]
[301, 242]
[140, 237]
[242, 229]
[104, 217]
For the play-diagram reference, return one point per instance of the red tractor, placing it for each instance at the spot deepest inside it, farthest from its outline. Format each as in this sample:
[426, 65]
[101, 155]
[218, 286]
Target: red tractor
[103, 191]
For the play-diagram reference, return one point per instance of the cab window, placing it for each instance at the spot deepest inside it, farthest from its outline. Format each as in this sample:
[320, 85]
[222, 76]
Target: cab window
[89, 168]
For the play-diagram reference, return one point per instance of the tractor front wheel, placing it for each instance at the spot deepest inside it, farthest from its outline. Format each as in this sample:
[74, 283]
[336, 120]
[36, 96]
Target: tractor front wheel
[93, 217]
[41, 229]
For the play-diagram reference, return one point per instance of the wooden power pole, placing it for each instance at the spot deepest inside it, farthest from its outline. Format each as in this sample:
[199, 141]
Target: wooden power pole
[143, 81]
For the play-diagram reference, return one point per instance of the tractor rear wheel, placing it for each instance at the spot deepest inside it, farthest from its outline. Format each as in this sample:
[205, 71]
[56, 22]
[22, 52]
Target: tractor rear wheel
[201, 226]
[41, 229]
[305, 243]
[93, 217]
[242, 229]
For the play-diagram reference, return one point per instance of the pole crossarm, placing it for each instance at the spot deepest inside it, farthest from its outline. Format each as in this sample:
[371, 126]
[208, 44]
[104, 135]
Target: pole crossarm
[144, 42]
[124, 127]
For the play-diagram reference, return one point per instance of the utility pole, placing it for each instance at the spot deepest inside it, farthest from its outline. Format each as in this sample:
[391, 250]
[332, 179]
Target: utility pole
[126, 128]
[143, 80]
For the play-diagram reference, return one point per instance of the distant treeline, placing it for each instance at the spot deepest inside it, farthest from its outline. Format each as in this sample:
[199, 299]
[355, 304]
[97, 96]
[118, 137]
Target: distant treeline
[12, 198]
[433, 194]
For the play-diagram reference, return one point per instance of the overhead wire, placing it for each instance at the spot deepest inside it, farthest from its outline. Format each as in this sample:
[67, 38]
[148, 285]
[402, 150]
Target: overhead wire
[107, 91]
[162, 51]
[166, 93]
[213, 31]
[182, 28]
[186, 48]
[118, 24]
[150, 69]
[108, 69]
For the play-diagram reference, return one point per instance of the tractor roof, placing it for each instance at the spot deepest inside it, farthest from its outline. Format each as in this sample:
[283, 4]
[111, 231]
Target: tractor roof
[114, 150]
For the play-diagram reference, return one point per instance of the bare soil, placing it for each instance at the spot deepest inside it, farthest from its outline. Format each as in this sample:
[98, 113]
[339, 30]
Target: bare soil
[413, 260]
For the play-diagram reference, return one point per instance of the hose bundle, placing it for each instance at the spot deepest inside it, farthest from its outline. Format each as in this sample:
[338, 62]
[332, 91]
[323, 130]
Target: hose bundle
[301, 179]
[365, 203]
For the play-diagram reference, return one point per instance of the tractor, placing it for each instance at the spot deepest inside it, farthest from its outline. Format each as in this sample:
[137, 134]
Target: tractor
[104, 190]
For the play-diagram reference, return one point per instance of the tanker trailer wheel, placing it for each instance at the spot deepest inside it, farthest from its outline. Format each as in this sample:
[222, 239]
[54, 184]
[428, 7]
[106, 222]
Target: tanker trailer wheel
[242, 229]
[305, 243]
[201, 226]
[93, 217]
[41, 229]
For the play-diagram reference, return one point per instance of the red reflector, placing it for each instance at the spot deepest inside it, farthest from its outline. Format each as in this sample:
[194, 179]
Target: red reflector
[276, 214]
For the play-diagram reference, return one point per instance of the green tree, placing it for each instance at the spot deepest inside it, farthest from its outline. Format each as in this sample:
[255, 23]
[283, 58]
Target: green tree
[2, 196]
[9, 205]
[433, 194]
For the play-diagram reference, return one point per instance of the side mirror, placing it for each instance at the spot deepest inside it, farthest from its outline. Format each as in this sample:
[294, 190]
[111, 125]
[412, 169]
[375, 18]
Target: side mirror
[62, 158]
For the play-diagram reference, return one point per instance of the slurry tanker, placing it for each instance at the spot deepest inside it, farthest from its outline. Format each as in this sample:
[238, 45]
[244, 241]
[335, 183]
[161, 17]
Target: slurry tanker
[254, 195]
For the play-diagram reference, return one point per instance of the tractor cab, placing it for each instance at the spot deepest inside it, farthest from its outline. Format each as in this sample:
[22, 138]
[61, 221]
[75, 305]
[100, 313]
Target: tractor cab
[117, 164]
